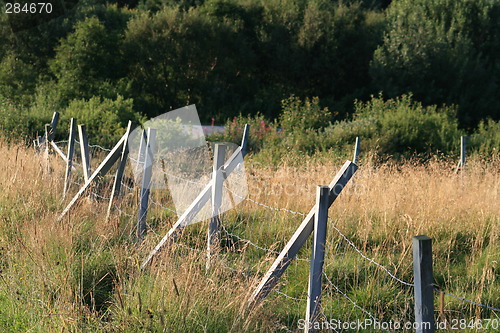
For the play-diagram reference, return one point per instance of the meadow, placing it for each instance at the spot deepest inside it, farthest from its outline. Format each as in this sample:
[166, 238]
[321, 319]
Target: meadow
[82, 274]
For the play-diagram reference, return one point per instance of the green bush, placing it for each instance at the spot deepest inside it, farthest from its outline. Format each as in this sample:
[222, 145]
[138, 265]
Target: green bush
[403, 126]
[106, 120]
[486, 139]
[15, 123]
[298, 115]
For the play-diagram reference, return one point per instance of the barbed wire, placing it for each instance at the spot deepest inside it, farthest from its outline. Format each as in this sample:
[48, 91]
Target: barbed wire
[351, 243]
[348, 298]
[335, 228]
[289, 297]
[249, 242]
[467, 300]
[368, 258]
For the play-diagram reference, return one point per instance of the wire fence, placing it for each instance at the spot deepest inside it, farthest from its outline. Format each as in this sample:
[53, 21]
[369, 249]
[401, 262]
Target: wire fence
[254, 244]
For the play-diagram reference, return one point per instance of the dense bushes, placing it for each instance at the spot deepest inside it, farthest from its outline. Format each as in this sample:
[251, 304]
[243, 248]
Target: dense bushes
[244, 57]
[106, 120]
[400, 127]
[443, 51]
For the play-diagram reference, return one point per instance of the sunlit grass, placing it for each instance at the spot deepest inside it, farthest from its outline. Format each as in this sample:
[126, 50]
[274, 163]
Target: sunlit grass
[82, 273]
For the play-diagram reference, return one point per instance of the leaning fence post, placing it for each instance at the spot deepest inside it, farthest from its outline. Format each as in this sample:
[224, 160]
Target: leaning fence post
[115, 192]
[84, 149]
[244, 140]
[53, 126]
[356, 150]
[217, 181]
[69, 156]
[318, 257]
[424, 284]
[146, 184]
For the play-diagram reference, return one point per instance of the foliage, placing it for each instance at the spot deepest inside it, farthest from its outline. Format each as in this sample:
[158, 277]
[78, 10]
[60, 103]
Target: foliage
[300, 115]
[404, 126]
[86, 62]
[15, 123]
[17, 79]
[106, 119]
[486, 139]
[233, 57]
[443, 52]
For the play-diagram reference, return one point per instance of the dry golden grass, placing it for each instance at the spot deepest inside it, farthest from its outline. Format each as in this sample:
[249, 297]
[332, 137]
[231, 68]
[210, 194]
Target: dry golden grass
[81, 274]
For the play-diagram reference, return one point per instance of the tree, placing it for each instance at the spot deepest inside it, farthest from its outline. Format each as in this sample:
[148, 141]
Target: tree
[444, 51]
[88, 61]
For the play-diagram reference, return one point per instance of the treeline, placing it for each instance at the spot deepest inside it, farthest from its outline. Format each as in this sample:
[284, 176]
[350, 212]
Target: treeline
[109, 61]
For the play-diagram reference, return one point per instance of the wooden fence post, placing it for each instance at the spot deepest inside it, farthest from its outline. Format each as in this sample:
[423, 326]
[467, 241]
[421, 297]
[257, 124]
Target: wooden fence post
[463, 151]
[463, 154]
[193, 209]
[317, 257]
[116, 191]
[46, 146]
[84, 150]
[53, 126]
[69, 156]
[300, 236]
[356, 150]
[244, 140]
[424, 284]
[49, 134]
[101, 170]
[217, 182]
[146, 184]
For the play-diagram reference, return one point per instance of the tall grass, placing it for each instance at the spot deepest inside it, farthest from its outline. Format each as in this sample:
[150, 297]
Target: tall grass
[82, 274]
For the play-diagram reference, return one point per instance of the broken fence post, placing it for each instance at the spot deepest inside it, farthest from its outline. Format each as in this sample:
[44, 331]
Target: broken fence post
[193, 209]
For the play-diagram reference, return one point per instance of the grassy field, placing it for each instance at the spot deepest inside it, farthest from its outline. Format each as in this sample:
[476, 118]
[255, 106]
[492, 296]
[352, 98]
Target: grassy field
[82, 274]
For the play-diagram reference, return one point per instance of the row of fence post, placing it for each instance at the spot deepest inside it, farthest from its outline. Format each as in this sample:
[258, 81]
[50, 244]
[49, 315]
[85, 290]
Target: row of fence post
[422, 269]
[422, 245]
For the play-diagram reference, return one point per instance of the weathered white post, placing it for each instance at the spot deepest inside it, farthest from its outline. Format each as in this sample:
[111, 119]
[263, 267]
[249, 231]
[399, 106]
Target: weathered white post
[84, 150]
[69, 155]
[463, 154]
[317, 257]
[217, 181]
[46, 144]
[244, 140]
[115, 192]
[100, 171]
[146, 184]
[300, 236]
[424, 284]
[356, 150]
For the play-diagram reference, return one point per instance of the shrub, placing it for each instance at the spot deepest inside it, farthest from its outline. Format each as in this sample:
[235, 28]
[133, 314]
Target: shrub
[486, 139]
[298, 115]
[15, 123]
[404, 126]
[106, 120]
